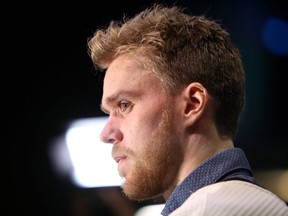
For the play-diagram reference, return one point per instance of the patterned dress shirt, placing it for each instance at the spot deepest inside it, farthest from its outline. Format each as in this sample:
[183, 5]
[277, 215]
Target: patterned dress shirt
[230, 164]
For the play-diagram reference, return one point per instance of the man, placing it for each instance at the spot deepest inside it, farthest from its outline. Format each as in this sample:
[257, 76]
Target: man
[174, 89]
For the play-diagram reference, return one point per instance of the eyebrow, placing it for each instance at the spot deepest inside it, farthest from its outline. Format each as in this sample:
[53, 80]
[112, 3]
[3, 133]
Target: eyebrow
[121, 94]
[109, 100]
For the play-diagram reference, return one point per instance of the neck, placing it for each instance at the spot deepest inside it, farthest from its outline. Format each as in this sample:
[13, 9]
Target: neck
[197, 150]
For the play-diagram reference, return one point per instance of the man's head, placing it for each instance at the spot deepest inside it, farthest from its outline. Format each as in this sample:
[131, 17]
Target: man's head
[163, 68]
[180, 49]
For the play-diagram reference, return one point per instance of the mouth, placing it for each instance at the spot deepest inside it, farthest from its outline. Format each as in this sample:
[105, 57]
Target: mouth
[119, 158]
[121, 161]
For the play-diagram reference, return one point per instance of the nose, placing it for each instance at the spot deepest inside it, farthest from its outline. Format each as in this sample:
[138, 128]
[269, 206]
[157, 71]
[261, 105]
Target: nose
[111, 132]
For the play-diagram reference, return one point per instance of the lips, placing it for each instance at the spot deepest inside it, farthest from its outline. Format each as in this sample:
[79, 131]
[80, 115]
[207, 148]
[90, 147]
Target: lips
[119, 158]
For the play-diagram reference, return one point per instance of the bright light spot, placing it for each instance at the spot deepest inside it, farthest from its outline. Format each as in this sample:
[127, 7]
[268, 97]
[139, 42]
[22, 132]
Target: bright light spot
[93, 165]
[150, 210]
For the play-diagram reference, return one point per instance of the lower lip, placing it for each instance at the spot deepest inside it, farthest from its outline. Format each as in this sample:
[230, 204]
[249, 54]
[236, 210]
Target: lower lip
[121, 162]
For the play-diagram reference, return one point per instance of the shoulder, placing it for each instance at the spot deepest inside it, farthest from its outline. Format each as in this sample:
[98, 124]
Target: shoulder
[233, 198]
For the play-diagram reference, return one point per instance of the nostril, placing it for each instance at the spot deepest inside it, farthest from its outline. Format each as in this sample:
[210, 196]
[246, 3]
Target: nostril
[112, 141]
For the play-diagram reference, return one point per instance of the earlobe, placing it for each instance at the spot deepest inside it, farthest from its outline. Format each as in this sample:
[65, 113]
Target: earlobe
[196, 97]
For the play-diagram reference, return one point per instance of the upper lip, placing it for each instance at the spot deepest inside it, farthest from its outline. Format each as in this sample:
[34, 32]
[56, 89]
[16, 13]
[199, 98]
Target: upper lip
[118, 158]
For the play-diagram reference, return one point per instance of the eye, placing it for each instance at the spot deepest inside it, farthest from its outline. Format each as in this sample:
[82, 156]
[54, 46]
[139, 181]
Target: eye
[124, 106]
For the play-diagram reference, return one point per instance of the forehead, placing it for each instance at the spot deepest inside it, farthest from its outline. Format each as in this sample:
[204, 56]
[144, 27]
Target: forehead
[125, 72]
[124, 67]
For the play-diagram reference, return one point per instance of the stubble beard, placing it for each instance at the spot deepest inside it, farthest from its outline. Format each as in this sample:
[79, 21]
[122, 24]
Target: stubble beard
[155, 168]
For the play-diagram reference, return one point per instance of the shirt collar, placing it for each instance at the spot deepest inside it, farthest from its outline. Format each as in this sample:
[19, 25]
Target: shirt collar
[230, 162]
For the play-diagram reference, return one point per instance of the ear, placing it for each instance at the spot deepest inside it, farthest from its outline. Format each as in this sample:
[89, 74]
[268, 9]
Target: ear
[196, 96]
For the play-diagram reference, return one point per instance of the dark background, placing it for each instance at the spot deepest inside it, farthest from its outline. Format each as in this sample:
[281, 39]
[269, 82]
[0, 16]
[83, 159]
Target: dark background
[49, 80]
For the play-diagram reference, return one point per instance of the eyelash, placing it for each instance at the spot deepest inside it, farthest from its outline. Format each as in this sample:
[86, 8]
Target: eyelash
[124, 106]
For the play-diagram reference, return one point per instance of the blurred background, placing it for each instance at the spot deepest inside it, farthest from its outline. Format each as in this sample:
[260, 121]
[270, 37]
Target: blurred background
[49, 81]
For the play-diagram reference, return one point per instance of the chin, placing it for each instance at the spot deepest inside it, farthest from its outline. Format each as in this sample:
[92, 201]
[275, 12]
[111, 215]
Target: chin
[141, 188]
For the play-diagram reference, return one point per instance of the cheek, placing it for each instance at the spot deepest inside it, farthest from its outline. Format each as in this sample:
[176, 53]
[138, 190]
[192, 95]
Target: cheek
[137, 130]
[143, 124]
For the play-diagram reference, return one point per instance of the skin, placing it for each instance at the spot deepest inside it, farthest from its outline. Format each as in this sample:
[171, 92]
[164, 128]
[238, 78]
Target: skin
[157, 139]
